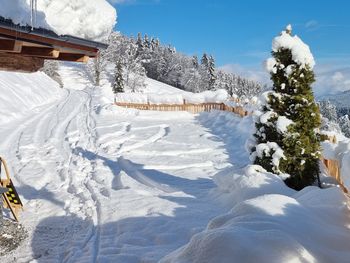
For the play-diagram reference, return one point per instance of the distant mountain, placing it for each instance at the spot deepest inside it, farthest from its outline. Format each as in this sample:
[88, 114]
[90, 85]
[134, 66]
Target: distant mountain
[340, 100]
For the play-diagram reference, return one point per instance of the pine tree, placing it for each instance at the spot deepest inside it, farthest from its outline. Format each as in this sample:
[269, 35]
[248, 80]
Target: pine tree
[328, 110]
[139, 44]
[344, 123]
[205, 61]
[195, 62]
[286, 140]
[118, 85]
[211, 73]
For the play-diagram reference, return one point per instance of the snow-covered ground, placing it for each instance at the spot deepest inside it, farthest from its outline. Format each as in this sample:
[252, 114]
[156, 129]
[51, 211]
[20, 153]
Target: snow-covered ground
[103, 183]
[106, 184]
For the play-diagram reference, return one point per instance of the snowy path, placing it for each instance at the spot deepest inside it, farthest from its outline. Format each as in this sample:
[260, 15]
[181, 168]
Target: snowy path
[118, 186]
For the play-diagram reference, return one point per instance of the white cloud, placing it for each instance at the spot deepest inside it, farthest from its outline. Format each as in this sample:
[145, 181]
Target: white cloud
[331, 80]
[312, 24]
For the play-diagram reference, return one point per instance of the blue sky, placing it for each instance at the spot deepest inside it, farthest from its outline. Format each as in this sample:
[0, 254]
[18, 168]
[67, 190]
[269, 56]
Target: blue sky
[239, 33]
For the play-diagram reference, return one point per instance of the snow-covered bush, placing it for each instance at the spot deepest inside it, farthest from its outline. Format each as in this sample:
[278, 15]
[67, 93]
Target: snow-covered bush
[286, 140]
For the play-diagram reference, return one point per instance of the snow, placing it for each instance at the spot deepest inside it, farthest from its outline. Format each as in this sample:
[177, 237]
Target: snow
[265, 118]
[101, 183]
[270, 65]
[20, 13]
[266, 149]
[82, 18]
[301, 53]
[105, 184]
[283, 123]
[272, 223]
[136, 98]
[175, 97]
[23, 93]
[339, 151]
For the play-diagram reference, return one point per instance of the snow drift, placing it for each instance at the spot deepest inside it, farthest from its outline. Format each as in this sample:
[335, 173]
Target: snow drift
[21, 92]
[82, 18]
[272, 223]
[340, 152]
[268, 222]
[218, 96]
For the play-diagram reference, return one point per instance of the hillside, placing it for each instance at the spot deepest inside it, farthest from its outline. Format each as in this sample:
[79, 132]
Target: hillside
[22, 94]
[340, 100]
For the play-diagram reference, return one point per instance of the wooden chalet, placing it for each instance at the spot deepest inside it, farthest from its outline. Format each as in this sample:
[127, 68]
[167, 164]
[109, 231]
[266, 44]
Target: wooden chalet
[24, 49]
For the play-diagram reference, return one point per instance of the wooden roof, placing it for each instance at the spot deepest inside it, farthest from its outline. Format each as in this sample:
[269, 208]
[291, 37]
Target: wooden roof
[23, 48]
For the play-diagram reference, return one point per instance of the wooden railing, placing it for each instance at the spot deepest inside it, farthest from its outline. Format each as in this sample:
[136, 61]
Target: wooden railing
[189, 107]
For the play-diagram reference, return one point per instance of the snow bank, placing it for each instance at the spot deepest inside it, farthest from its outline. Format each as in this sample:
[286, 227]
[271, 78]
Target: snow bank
[137, 98]
[272, 223]
[165, 99]
[21, 92]
[82, 18]
[341, 152]
[218, 96]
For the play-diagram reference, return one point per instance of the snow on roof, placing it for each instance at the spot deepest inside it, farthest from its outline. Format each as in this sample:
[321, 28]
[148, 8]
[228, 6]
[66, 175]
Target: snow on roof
[81, 18]
[300, 51]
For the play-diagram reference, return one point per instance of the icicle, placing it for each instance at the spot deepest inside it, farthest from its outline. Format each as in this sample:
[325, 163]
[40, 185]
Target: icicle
[36, 11]
[33, 13]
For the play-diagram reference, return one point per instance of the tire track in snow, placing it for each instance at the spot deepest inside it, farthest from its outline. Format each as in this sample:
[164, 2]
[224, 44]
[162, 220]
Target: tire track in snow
[163, 131]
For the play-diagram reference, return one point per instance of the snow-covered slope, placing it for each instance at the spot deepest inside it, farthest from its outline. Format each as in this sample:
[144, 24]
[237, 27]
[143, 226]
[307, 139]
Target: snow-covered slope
[21, 93]
[341, 100]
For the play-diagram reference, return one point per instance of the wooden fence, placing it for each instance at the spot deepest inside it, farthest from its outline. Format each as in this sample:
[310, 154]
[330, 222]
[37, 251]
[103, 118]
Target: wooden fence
[189, 107]
[332, 166]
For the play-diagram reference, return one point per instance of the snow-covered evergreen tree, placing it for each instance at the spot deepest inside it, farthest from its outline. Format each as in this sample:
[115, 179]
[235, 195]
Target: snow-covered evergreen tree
[163, 63]
[286, 139]
[344, 123]
[51, 68]
[329, 117]
[211, 73]
[118, 85]
[328, 110]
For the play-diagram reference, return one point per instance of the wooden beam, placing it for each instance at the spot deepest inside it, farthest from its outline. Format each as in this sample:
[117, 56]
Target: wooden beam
[44, 40]
[10, 45]
[15, 62]
[42, 52]
[73, 57]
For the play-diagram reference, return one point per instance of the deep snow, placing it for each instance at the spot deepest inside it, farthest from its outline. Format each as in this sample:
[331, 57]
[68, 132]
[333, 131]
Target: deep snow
[106, 184]
[82, 18]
